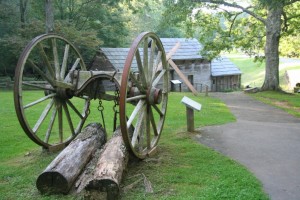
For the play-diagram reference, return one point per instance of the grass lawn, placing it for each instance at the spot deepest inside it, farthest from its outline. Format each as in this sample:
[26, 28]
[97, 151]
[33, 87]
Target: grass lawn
[289, 102]
[254, 72]
[182, 169]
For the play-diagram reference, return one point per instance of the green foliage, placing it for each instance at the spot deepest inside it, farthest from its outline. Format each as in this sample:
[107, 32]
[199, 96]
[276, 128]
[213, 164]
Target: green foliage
[220, 30]
[87, 24]
[290, 46]
[147, 16]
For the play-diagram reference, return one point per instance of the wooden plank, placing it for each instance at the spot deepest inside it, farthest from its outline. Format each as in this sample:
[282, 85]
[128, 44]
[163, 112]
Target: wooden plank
[169, 55]
[174, 66]
[183, 77]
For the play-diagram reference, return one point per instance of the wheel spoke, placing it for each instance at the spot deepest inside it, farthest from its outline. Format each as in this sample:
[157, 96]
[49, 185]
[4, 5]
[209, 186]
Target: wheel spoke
[158, 110]
[64, 63]
[148, 128]
[138, 128]
[30, 83]
[157, 62]
[39, 101]
[52, 120]
[84, 97]
[140, 67]
[145, 60]
[51, 81]
[60, 123]
[153, 123]
[134, 113]
[45, 59]
[56, 61]
[136, 82]
[158, 78]
[151, 61]
[43, 116]
[69, 118]
[67, 79]
[139, 97]
[74, 109]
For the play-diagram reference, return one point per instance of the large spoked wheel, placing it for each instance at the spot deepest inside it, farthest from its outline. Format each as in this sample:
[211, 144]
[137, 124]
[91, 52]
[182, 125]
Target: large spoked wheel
[45, 104]
[144, 95]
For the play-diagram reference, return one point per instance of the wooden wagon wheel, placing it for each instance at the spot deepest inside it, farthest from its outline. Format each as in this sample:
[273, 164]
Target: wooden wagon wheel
[43, 94]
[144, 95]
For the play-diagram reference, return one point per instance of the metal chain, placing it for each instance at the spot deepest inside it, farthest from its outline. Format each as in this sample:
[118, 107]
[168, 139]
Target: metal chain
[115, 109]
[101, 109]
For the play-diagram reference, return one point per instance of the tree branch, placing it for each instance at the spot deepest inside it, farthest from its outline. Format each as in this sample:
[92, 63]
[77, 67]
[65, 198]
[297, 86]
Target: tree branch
[232, 23]
[233, 5]
[285, 24]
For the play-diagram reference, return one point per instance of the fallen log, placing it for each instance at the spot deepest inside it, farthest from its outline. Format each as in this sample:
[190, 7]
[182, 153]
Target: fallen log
[110, 166]
[61, 173]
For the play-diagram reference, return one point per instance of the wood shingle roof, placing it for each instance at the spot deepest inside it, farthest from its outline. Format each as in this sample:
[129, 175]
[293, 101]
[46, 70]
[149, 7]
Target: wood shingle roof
[188, 50]
[223, 67]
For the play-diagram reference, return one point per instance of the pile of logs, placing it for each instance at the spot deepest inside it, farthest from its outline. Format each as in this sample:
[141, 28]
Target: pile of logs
[88, 163]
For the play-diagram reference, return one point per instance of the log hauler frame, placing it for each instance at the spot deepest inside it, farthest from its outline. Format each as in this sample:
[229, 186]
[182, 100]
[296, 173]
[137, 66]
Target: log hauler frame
[53, 90]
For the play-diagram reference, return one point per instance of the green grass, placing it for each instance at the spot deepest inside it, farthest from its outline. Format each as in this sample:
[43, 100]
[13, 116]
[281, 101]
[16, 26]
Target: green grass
[254, 72]
[182, 169]
[288, 102]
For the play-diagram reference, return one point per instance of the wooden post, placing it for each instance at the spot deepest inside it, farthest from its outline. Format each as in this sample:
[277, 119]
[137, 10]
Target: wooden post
[190, 119]
[191, 105]
[60, 175]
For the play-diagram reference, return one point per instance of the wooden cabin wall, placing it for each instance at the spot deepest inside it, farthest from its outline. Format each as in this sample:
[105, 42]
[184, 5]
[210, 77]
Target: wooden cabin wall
[197, 71]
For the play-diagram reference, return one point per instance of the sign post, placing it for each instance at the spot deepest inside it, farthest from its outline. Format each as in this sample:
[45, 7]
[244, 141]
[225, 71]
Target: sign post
[191, 105]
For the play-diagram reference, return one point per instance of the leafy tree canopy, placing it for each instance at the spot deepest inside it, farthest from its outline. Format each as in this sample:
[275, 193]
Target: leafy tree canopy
[260, 25]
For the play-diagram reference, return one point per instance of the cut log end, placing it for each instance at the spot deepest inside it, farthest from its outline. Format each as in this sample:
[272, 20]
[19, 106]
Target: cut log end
[61, 173]
[52, 183]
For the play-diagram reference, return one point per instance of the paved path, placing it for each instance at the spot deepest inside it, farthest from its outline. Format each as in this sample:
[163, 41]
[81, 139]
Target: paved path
[264, 139]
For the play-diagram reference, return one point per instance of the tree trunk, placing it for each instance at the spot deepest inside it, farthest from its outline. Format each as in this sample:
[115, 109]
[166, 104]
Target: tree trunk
[49, 16]
[273, 28]
[23, 10]
[60, 175]
[109, 169]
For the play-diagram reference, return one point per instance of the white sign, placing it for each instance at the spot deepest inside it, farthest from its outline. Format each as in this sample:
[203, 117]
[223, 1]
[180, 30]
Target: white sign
[191, 103]
[176, 82]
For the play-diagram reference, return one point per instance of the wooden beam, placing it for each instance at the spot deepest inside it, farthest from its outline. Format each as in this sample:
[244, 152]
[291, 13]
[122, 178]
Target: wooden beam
[169, 55]
[183, 77]
[174, 66]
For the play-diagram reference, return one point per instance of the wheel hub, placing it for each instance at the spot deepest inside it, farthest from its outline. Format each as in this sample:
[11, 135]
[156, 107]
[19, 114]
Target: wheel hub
[154, 96]
[63, 93]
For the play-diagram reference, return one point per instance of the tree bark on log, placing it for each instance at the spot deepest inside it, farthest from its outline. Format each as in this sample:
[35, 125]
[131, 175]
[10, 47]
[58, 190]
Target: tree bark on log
[60, 175]
[110, 166]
